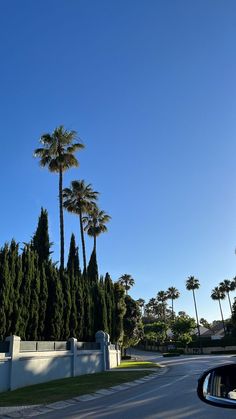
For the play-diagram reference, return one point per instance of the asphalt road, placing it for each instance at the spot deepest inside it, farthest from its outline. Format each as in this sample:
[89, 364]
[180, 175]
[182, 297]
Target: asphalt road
[171, 395]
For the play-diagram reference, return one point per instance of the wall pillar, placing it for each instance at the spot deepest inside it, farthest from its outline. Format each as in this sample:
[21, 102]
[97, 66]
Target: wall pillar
[14, 351]
[104, 339]
[73, 348]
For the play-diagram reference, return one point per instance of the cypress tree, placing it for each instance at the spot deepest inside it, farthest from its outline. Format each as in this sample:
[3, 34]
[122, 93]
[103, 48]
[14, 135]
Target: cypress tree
[33, 321]
[110, 305]
[74, 273]
[120, 309]
[66, 291]
[54, 315]
[43, 298]
[25, 290]
[92, 270]
[4, 292]
[100, 311]
[40, 241]
[15, 263]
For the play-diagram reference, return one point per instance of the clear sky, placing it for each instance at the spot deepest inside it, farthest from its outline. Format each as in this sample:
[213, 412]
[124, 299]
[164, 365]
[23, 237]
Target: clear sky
[150, 86]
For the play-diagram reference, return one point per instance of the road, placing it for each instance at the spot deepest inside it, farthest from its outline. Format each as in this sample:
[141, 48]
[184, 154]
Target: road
[170, 396]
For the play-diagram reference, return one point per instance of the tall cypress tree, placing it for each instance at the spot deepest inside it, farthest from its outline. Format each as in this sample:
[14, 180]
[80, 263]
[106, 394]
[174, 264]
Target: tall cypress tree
[28, 257]
[120, 309]
[54, 315]
[74, 273]
[110, 305]
[33, 321]
[40, 241]
[43, 298]
[15, 267]
[4, 292]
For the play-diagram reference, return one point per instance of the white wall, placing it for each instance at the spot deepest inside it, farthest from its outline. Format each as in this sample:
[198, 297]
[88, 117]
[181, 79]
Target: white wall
[5, 364]
[24, 368]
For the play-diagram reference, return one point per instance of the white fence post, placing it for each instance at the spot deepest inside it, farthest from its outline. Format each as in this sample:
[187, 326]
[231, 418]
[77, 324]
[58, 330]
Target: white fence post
[73, 348]
[101, 337]
[14, 353]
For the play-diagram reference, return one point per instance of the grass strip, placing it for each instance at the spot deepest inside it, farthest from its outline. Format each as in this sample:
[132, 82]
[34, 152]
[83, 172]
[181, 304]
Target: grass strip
[67, 388]
[138, 364]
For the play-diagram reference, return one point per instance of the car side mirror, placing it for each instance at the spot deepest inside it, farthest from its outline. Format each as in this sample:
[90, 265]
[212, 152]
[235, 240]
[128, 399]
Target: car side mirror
[217, 386]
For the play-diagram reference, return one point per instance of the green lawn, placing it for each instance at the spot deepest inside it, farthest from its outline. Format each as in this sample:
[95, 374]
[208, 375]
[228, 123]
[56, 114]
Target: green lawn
[67, 388]
[138, 364]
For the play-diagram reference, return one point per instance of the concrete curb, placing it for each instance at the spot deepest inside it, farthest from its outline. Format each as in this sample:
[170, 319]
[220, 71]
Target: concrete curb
[36, 410]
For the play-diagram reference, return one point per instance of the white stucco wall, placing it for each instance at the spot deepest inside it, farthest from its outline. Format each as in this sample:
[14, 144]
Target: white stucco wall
[38, 367]
[89, 362]
[5, 364]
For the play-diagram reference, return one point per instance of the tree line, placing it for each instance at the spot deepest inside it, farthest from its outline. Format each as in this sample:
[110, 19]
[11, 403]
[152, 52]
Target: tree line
[38, 301]
[41, 301]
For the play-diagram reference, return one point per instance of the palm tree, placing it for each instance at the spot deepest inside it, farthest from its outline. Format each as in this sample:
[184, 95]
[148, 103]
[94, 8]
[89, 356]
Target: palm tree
[162, 297]
[218, 294]
[227, 286]
[95, 223]
[193, 284]
[57, 154]
[79, 199]
[141, 303]
[172, 294]
[126, 281]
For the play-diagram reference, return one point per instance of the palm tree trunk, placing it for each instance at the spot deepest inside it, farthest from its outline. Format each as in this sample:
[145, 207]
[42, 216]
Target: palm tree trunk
[61, 221]
[82, 239]
[94, 243]
[195, 305]
[229, 302]
[172, 304]
[221, 312]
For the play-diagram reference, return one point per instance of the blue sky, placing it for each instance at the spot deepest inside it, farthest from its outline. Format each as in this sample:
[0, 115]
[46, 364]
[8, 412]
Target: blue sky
[150, 86]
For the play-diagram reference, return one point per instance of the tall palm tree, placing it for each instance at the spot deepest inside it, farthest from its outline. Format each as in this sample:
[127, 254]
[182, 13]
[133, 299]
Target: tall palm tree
[172, 294]
[193, 284]
[126, 281]
[57, 154]
[78, 199]
[218, 294]
[162, 297]
[227, 286]
[141, 303]
[95, 223]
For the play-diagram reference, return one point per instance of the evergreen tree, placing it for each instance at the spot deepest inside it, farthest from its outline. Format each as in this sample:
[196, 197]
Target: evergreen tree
[120, 309]
[77, 309]
[4, 292]
[43, 298]
[133, 328]
[100, 310]
[25, 290]
[40, 242]
[17, 275]
[54, 315]
[110, 305]
[33, 320]
[92, 270]
[66, 291]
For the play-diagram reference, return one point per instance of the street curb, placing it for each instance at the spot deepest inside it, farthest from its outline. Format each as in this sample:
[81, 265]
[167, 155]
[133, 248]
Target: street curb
[36, 410]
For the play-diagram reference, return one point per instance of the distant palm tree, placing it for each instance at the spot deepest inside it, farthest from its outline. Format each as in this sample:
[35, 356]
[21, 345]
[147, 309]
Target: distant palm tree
[79, 199]
[95, 223]
[141, 303]
[193, 284]
[162, 297]
[57, 154]
[172, 294]
[126, 281]
[218, 294]
[227, 286]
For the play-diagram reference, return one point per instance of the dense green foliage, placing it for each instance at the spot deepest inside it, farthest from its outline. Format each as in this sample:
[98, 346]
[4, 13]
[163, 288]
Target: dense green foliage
[39, 301]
